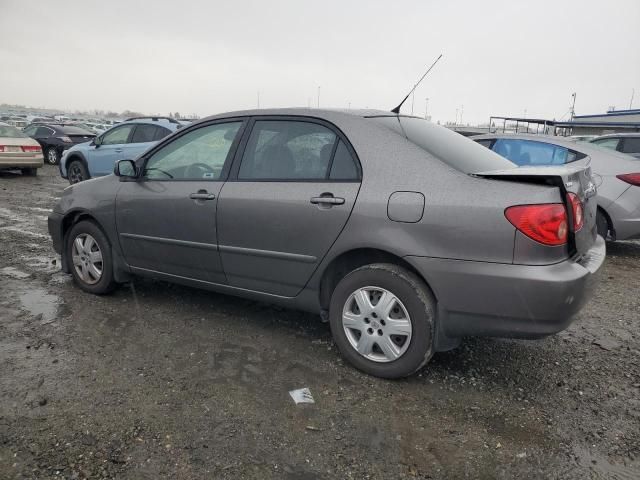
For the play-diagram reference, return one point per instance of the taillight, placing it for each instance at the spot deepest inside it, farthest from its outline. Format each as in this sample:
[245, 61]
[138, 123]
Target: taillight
[1, 148]
[632, 178]
[577, 210]
[31, 148]
[545, 223]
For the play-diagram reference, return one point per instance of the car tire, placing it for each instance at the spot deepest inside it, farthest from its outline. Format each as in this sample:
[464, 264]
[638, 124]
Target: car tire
[397, 344]
[29, 172]
[77, 172]
[602, 224]
[52, 156]
[89, 258]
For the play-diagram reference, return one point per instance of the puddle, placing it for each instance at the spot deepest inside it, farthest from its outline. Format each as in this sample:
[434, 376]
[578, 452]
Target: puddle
[37, 301]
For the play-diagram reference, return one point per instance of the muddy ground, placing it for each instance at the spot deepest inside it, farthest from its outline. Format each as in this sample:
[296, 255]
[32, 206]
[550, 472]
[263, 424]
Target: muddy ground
[162, 381]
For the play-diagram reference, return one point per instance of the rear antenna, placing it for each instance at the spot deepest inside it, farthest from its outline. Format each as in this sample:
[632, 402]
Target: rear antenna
[397, 109]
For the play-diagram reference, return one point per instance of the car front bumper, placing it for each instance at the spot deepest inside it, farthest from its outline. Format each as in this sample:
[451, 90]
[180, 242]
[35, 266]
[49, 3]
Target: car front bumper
[506, 300]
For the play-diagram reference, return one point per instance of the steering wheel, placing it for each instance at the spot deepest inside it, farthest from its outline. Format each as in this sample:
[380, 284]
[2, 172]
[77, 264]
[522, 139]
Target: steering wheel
[197, 170]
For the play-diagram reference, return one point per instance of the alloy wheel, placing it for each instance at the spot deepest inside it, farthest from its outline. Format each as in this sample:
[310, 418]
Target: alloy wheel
[377, 324]
[52, 156]
[75, 173]
[87, 258]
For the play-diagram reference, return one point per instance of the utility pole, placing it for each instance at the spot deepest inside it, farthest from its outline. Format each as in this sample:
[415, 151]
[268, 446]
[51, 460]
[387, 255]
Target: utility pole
[573, 106]
[318, 96]
[426, 109]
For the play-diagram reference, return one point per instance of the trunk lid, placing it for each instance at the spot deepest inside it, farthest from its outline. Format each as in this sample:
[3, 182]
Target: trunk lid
[575, 179]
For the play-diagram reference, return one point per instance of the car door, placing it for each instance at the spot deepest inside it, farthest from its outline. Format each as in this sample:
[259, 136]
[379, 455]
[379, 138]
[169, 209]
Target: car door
[287, 200]
[166, 220]
[108, 149]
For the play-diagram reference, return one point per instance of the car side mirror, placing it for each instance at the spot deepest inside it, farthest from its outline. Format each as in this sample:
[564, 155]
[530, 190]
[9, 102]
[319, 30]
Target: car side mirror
[125, 169]
[96, 141]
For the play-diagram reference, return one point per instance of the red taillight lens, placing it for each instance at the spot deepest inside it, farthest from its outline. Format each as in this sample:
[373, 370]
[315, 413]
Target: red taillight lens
[545, 223]
[577, 210]
[1, 148]
[632, 178]
[31, 148]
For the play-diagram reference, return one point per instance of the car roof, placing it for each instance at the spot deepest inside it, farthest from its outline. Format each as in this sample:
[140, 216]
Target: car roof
[323, 113]
[163, 122]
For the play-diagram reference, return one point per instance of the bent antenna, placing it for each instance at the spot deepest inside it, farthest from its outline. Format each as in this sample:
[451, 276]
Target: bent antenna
[397, 109]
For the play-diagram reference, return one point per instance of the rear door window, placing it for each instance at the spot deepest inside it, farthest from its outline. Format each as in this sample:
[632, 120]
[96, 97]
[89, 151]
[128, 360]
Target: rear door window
[43, 132]
[144, 133]
[630, 145]
[287, 150]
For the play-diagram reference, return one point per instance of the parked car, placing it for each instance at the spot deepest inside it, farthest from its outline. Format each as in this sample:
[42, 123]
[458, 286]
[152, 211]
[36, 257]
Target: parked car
[628, 143]
[125, 140]
[405, 235]
[17, 150]
[582, 138]
[55, 138]
[618, 216]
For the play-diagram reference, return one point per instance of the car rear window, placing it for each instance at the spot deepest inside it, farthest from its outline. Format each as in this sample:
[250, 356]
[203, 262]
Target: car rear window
[450, 147]
[7, 131]
[70, 130]
[631, 145]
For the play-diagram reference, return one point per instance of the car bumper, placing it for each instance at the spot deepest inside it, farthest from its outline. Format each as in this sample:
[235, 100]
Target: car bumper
[503, 300]
[21, 161]
[625, 214]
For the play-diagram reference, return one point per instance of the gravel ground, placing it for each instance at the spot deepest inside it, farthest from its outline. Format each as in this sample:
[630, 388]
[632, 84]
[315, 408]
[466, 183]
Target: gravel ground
[162, 381]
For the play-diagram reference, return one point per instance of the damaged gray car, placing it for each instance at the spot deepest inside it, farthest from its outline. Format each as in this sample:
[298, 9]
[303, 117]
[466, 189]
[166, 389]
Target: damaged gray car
[404, 235]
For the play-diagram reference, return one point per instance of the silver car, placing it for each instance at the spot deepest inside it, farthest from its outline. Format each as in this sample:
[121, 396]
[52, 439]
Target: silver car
[404, 235]
[618, 175]
[628, 143]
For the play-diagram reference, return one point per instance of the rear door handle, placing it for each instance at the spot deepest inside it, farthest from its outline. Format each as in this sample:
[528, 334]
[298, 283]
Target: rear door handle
[327, 200]
[202, 195]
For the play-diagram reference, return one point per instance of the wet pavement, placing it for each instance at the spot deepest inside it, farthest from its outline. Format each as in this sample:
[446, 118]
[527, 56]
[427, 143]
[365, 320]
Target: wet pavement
[163, 381]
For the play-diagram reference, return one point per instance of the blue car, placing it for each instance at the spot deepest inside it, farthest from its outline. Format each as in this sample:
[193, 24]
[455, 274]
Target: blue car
[125, 140]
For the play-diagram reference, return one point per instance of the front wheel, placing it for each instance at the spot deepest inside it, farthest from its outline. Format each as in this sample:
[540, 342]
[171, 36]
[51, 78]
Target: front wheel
[77, 172]
[89, 254]
[382, 318]
[52, 156]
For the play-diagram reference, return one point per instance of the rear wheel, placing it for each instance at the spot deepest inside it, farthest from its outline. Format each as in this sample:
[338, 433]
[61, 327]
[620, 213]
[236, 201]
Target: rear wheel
[77, 172]
[31, 172]
[382, 318]
[52, 156]
[602, 224]
[89, 257]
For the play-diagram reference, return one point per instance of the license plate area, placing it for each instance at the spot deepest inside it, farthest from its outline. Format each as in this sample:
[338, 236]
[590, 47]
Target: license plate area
[12, 149]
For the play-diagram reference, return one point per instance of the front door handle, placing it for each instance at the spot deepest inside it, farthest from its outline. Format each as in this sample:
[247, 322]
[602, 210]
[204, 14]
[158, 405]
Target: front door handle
[202, 195]
[118, 150]
[327, 200]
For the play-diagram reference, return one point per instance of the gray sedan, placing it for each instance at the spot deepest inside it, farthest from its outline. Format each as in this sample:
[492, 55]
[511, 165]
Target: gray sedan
[404, 235]
[617, 174]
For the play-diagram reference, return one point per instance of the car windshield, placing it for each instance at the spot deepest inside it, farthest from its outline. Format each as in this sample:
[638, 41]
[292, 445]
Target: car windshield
[7, 131]
[452, 148]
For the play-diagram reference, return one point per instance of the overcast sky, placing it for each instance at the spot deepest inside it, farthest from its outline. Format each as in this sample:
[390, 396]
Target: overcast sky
[205, 57]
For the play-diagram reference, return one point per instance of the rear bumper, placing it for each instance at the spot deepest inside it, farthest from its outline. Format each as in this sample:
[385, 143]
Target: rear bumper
[625, 214]
[21, 161]
[505, 300]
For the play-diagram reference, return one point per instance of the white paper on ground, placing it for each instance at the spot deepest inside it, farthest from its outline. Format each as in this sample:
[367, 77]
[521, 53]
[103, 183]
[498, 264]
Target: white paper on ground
[302, 395]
